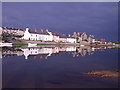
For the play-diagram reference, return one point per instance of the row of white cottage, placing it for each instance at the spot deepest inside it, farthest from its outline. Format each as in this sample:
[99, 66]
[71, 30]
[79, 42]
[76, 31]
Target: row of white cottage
[42, 35]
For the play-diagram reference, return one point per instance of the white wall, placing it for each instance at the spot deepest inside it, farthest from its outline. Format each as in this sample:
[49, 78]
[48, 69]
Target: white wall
[0, 30]
[71, 40]
[33, 36]
[26, 35]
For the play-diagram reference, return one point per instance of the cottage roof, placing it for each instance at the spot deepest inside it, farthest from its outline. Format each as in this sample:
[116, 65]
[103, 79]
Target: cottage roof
[62, 36]
[65, 36]
[99, 39]
[39, 32]
[55, 34]
[77, 34]
[69, 36]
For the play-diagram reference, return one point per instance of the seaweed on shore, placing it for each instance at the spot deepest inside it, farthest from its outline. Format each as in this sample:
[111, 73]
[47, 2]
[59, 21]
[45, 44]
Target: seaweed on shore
[106, 74]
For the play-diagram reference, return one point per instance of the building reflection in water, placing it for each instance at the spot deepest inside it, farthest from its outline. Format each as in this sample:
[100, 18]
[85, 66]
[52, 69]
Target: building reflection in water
[45, 52]
[0, 53]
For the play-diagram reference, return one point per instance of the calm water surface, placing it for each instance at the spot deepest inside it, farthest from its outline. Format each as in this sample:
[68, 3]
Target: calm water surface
[57, 67]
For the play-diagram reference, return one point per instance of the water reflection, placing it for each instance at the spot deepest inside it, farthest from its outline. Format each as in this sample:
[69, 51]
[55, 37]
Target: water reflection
[45, 52]
[60, 70]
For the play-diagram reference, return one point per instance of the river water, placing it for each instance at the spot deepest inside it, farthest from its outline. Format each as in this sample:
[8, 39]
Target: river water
[58, 67]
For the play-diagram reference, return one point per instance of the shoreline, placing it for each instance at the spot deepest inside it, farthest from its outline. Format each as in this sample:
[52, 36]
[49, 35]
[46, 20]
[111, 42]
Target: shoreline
[76, 44]
[39, 43]
[63, 45]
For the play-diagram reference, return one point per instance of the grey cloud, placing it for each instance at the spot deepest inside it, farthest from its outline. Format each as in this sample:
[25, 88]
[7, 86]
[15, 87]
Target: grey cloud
[93, 18]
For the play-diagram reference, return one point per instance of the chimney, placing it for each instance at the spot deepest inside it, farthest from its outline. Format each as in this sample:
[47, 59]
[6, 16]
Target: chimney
[74, 33]
[69, 35]
[41, 30]
[78, 33]
[27, 29]
[92, 36]
[63, 34]
[35, 30]
[47, 30]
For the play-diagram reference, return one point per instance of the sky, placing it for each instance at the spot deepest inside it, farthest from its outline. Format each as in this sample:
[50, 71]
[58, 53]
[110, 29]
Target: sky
[96, 18]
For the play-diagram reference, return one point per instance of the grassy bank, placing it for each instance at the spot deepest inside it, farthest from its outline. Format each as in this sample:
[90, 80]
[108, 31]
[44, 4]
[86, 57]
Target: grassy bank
[116, 42]
[20, 44]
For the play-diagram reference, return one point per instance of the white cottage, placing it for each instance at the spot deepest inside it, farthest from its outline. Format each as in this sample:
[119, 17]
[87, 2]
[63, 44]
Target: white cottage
[71, 39]
[62, 38]
[14, 31]
[55, 37]
[38, 35]
[67, 38]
